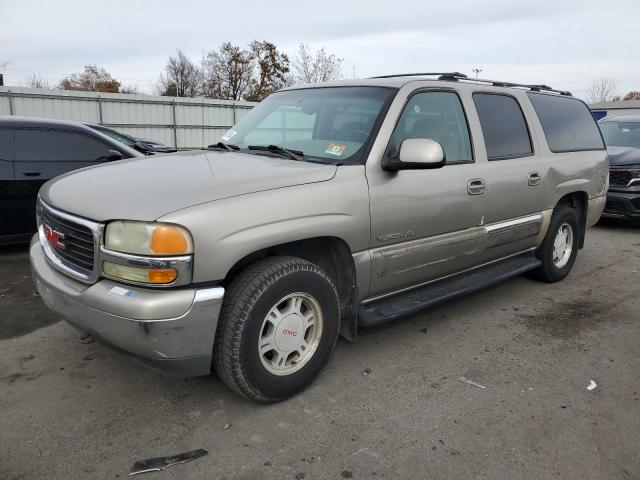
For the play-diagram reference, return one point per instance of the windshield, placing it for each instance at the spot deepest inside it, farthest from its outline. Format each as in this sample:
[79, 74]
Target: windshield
[327, 124]
[621, 134]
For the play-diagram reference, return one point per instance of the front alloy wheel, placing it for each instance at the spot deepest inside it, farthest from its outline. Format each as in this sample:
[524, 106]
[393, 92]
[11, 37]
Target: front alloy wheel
[290, 334]
[278, 326]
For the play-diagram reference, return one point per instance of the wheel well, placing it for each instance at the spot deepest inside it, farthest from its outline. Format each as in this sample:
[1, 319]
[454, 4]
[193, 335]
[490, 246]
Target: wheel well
[578, 201]
[333, 255]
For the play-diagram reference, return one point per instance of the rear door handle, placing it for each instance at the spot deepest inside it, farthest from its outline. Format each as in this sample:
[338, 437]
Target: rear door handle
[31, 174]
[534, 179]
[476, 186]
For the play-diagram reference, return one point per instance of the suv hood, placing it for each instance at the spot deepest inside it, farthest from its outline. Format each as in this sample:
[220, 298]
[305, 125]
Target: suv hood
[149, 187]
[623, 156]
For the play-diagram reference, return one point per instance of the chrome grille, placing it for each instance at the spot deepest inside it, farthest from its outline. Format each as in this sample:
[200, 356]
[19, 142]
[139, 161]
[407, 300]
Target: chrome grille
[69, 242]
[620, 177]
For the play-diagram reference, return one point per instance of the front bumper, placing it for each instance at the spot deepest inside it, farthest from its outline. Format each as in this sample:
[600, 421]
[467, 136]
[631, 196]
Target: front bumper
[623, 205]
[172, 330]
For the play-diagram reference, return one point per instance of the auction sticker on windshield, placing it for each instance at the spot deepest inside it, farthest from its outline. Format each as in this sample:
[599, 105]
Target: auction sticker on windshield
[228, 136]
[336, 149]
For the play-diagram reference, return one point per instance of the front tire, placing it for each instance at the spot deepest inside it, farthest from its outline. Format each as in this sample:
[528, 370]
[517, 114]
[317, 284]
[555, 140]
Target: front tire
[560, 245]
[278, 326]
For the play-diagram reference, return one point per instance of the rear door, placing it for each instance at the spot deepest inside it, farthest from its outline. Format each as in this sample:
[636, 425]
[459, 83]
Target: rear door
[42, 154]
[516, 175]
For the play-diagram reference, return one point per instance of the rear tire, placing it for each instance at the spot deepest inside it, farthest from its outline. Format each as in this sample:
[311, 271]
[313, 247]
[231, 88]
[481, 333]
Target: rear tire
[560, 245]
[278, 326]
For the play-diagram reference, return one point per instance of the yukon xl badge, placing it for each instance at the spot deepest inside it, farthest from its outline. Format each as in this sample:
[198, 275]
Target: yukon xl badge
[395, 236]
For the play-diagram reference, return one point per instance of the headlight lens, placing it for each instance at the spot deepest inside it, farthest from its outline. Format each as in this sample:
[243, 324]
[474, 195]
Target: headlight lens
[148, 238]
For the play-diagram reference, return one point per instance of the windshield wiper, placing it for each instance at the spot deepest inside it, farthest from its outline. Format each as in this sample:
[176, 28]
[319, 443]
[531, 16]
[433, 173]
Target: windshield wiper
[223, 146]
[285, 152]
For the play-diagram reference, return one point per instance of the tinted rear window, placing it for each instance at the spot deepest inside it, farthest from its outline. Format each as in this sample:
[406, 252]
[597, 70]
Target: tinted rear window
[567, 123]
[55, 145]
[503, 126]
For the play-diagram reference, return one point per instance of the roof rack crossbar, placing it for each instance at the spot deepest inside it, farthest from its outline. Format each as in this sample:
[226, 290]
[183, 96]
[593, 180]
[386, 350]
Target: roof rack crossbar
[445, 75]
[455, 76]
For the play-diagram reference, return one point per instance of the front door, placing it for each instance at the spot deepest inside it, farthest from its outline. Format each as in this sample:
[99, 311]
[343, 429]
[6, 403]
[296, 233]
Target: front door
[426, 224]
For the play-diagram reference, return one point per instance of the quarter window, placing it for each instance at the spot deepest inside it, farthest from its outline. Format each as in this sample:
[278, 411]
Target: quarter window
[503, 126]
[567, 123]
[438, 116]
[55, 145]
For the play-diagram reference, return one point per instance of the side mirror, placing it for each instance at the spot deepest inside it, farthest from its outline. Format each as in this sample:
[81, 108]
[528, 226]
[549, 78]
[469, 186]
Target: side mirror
[141, 147]
[416, 153]
[113, 155]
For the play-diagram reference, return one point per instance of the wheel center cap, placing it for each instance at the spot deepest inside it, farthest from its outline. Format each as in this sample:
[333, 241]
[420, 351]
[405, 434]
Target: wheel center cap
[289, 333]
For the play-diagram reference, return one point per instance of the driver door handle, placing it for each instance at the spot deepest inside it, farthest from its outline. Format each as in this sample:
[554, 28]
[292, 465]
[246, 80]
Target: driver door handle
[476, 186]
[534, 179]
[31, 174]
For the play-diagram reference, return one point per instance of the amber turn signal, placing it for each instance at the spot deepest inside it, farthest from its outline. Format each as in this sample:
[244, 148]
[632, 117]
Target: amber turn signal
[167, 275]
[167, 240]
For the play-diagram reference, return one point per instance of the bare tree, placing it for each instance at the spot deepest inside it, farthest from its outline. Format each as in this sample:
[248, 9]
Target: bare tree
[602, 90]
[129, 89]
[182, 77]
[36, 81]
[271, 69]
[632, 95]
[229, 72]
[313, 67]
[93, 79]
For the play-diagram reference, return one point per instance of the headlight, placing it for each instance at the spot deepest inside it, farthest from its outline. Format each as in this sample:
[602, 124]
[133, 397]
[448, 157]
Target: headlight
[148, 238]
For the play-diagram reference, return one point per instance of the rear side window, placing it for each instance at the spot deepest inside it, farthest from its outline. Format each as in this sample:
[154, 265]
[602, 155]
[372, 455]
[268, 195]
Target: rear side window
[55, 145]
[503, 126]
[6, 145]
[567, 123]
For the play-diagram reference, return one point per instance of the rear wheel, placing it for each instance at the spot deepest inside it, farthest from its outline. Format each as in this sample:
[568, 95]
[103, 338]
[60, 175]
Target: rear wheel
[279, 324]
[560, 246]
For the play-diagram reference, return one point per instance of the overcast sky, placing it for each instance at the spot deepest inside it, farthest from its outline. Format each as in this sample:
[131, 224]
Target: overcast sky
[564, 44]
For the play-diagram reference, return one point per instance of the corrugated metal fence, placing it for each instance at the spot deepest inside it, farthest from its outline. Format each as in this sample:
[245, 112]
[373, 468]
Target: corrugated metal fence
[181, 122]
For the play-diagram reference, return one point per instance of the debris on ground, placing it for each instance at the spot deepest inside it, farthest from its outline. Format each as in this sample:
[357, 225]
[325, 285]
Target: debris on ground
[592, 385]
[366, 371]
[227, 426]
[27, 358]
[160, 463]
[86, 339]
[470, 382]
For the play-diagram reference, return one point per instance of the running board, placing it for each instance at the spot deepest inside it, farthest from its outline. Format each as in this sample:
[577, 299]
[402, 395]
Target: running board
[413, 301]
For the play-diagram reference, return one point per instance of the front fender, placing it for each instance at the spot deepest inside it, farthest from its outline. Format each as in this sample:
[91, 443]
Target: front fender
[226, 231]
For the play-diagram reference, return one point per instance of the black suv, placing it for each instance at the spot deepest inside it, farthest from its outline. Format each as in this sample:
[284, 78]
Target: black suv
[34, 150]
[622, 137]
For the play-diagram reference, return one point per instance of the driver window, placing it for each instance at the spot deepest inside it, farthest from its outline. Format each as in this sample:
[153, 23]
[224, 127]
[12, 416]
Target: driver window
[438, 116]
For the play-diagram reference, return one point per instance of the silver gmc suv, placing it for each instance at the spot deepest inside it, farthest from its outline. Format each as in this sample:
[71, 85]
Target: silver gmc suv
[326, 209]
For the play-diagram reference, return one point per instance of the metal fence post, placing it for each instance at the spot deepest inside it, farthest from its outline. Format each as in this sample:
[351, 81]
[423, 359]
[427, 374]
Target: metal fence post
[11, 108]
[175, 126]
[234, 113]
[100, 121]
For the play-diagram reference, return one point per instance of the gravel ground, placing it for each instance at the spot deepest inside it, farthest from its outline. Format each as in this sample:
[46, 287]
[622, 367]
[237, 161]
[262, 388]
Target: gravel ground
[390, 405]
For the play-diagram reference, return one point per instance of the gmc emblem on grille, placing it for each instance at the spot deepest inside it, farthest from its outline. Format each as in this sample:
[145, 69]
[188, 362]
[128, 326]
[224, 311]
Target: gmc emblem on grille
[54, 237]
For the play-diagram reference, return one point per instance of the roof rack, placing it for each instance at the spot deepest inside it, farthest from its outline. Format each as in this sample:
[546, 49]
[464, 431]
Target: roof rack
[441, 75]
[455, 76]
